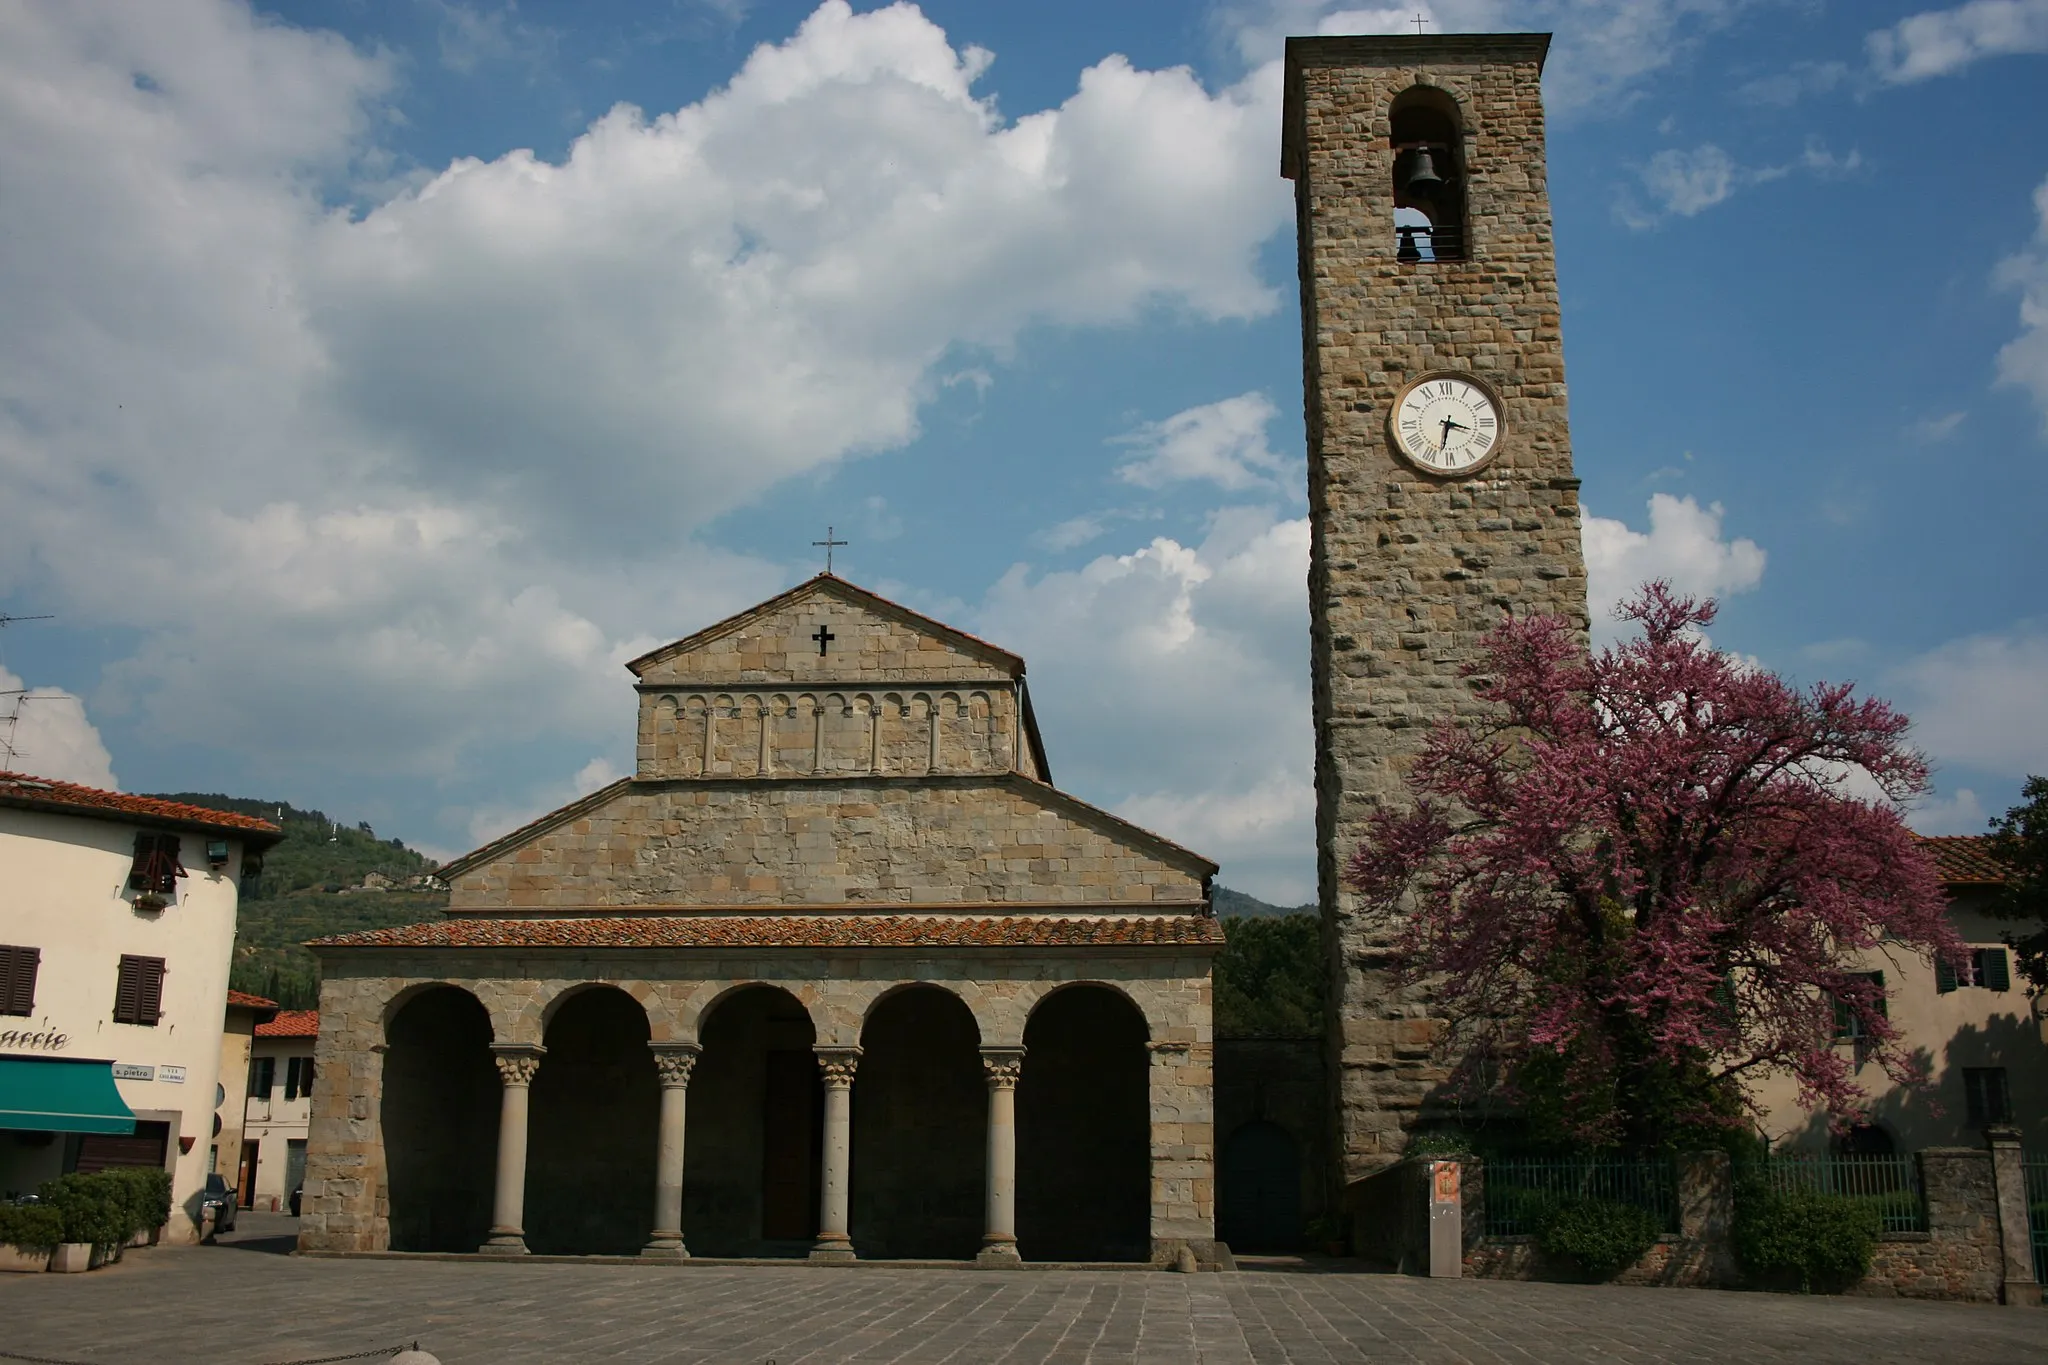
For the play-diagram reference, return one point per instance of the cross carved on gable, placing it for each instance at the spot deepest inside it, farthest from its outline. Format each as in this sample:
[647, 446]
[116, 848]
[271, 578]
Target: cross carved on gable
[824, 637]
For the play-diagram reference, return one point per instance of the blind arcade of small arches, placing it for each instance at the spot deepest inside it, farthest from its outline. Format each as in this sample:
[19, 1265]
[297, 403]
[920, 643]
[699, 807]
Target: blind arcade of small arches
[876, 733]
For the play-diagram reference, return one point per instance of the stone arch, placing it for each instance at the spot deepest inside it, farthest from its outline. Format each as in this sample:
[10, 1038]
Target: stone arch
[1084, 1130]
[1426, 125]
[920, 1127]
[754, 1125]
[1030, 1000]
[438, 1119]
[704, 999]
[545, 1013]
[591, 1134]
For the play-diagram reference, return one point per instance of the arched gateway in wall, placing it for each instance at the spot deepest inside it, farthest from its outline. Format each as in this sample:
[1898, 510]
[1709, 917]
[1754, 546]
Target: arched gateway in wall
[836, 973]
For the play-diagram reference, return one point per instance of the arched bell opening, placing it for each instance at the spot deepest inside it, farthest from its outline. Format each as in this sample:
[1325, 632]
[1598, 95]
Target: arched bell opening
[440, 1121]
[591, 1135]
[1258, 1189]
[1084, 1153]
[1429, 176]
[920, 1129]
[754, 1129]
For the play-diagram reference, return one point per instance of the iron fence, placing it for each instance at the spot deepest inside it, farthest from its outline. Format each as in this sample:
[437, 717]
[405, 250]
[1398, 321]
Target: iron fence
[1520, 1189]
[1888, 1182]
[2036, 1168]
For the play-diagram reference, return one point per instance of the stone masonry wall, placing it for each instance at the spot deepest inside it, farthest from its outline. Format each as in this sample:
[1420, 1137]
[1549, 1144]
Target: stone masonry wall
[912, 731]
[346, 1205]
[1409, 571]
[1960, 1256]
[886, 843]
[778, 648]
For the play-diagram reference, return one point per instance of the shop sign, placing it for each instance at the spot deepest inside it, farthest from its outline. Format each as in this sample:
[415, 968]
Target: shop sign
[39, 1037]
[130, 1071]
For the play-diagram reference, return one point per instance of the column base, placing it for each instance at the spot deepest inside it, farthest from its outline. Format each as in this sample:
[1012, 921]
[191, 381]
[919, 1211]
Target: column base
[665, 1246]
[2023, 1294]
[504, 1242]
[999, 1255]
[833, 1249]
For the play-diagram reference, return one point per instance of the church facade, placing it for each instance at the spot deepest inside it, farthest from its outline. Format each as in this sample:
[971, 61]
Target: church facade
[837, 972]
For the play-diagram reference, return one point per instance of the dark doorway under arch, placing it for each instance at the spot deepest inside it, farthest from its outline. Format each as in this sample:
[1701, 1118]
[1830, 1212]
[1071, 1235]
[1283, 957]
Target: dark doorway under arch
[1084, 1132]
[592, 1131]
[1258, 1189]
[920, 1125]
[754, 1129]
[440, 1122]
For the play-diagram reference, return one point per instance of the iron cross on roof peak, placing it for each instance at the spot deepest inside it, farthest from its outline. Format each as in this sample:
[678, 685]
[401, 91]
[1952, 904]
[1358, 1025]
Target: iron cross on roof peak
[828, 542]
[1419, 21]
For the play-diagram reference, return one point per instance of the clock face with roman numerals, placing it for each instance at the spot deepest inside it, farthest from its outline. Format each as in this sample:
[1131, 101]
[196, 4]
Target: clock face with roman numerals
[1446, 424]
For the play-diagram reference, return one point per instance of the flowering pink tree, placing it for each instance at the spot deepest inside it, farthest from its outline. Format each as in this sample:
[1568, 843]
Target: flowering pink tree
[1647, 875]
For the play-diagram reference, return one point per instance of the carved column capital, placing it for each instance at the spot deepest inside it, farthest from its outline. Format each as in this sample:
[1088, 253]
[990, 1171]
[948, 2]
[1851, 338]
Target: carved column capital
[1002, 1065]
[838, 1064]
[517, 1061]
[673, 1062]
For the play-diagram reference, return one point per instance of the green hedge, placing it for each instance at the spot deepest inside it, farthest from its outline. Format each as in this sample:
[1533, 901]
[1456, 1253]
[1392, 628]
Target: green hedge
[1599, 1236]
[109, 1207]
[1805, 1241]
[32, 1227]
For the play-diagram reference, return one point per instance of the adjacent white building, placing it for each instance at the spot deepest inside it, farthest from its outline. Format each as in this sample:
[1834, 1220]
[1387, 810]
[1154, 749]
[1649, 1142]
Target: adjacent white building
[277, 1108]
[117, 925]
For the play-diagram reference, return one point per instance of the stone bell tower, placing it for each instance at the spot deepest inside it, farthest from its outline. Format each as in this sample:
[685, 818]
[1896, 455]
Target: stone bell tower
[1441, 492]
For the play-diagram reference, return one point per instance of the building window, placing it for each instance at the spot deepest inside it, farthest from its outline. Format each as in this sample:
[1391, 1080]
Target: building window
[298, 1077]
[262, 1076]
[1985, 1095]
[156, 868]
[1986, 967]
[1850, 1025]
[18, 979]
[139, 991]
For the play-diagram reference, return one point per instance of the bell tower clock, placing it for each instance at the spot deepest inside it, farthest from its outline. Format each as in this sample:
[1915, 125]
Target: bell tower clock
[1441, 492]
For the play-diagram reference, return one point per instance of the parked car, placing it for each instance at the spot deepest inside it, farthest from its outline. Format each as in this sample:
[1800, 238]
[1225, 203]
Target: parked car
[218, 1201]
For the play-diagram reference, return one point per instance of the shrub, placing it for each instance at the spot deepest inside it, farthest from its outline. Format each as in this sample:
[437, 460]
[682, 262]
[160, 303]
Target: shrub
[1438, 1142]
[1601, 1237]
[146, 1193]
[32, 1227]
[94, 1209]
[1814, 1242]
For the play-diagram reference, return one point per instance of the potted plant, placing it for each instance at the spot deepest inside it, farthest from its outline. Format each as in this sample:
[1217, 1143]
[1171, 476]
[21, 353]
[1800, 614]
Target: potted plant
[150, 902]
[29, 1236]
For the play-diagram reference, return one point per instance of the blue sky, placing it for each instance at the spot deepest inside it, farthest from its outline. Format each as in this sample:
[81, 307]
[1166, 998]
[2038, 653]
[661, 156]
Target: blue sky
[378, 377]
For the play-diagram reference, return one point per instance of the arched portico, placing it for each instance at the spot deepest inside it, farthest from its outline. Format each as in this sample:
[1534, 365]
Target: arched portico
[1084, 1129]
[751, 1167]
[439, 1119]
[590, 1167]
[920, 1125]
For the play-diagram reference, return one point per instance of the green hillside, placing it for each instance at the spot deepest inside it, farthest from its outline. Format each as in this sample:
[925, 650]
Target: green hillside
[312, 884]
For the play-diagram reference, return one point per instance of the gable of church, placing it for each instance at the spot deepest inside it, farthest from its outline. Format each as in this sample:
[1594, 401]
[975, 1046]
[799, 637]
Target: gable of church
[826, 631]
[979, 841]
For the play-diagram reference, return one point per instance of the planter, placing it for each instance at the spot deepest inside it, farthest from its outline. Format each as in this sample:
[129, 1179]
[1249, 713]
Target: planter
[23, 1260]
[150, 903]
[72, 1258]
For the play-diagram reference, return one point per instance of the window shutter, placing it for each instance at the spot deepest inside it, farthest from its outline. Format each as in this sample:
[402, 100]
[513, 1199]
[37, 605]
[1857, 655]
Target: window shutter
[18, 979]
[1884, 1005]
[1995, 973]
[1973, 1096]
[138, 871]
[127, 988]
[1944, 975]
[150, 991]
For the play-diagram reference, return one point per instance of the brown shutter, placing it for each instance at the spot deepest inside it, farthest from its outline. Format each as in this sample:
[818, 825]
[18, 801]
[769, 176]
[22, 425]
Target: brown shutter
[150, 1001]
[127, 988]
[18, 979]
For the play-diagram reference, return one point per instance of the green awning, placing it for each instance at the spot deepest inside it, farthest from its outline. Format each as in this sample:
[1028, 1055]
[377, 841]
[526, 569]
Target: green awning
[60, 1094]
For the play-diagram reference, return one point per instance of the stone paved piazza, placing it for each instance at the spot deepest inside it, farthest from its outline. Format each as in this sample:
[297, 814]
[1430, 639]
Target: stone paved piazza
[235, 1305]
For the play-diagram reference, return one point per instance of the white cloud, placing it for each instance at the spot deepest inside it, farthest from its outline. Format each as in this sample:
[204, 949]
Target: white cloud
[491, 822]
[1957, 812]
[2024, 360]
[1686, 183]
[1785, 88]
[1943, 42]
[368, 483]
[1172, 683]
[1935, 430]
[1604, 54]
[1223, 443]
[44, 731]
[1981, 701]
[1683, 546]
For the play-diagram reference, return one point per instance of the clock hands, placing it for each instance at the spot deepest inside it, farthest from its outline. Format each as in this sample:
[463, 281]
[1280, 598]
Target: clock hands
[1449, 427]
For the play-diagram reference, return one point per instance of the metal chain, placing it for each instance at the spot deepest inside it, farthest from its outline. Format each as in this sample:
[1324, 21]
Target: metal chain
[381, 1351]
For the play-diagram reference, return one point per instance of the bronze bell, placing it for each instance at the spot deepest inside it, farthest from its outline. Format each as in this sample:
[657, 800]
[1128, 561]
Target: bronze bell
[1409, 252]
[1423, 182]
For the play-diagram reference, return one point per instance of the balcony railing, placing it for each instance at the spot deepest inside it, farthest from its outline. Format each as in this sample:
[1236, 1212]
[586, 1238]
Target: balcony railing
[1421, 242]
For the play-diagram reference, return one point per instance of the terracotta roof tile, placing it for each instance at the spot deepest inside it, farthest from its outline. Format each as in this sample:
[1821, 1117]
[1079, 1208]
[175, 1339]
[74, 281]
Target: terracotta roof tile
[250, 1002]
[44, 793]
[795, 931]
[1965, 860]
[291, 1024]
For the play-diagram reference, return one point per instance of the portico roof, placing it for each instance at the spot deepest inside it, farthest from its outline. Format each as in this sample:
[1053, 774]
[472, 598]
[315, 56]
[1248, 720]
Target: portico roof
[797, 931]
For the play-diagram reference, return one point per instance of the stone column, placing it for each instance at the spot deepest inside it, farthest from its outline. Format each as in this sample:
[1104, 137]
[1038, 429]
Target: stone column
[1001, 1065]
[2009, 1180]
[516, 1064]
[673, 1061]
[838, 1064]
